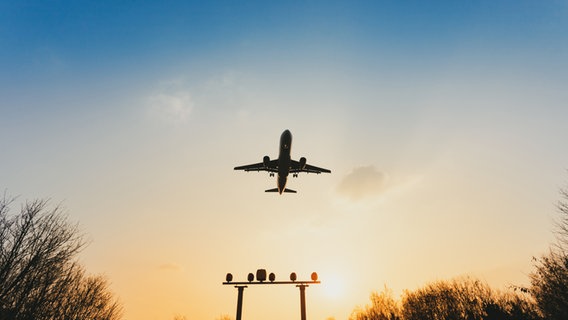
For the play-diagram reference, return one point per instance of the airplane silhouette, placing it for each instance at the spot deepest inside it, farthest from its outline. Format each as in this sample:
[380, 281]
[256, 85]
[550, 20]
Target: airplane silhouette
[284, 165]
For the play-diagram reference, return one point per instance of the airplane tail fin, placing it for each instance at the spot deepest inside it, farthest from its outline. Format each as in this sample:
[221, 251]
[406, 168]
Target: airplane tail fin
[285, 190]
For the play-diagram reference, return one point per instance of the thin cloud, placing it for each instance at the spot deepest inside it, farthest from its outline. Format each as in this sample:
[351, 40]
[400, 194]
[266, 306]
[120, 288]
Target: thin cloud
[363, 182]
[172, 102]
[170, 267]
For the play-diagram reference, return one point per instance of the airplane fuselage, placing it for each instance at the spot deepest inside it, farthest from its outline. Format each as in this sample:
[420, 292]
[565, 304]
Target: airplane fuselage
[283, 166]
[284, 160]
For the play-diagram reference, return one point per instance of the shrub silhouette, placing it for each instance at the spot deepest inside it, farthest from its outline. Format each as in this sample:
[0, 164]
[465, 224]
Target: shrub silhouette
[458, 299]
[383, 307]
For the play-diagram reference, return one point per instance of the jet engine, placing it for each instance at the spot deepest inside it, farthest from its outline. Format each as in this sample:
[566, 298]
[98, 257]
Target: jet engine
[266, 161]
[302, 163]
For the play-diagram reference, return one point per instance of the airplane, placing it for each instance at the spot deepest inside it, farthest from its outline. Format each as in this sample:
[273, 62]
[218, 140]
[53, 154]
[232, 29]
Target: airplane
[284, 165]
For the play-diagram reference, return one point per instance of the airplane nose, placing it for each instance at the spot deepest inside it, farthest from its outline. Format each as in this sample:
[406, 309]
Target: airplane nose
[287, 135]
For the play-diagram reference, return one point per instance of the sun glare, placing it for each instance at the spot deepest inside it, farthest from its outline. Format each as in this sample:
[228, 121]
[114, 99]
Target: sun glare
[333, 286]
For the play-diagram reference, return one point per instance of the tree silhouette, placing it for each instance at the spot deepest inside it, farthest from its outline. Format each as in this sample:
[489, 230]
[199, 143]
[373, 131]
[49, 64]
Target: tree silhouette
[549, 282]
[383, 307]
[39, 278]
[458, 299]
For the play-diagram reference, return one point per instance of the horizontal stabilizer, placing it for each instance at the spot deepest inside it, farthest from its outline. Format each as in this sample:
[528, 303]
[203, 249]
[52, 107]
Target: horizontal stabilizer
[285, 190]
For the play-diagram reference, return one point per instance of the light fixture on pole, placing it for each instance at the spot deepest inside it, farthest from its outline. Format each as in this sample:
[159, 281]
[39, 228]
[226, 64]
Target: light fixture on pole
[261, 280]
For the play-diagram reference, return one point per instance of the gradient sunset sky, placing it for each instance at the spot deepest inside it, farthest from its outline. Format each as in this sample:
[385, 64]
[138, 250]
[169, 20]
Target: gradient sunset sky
[444, 123]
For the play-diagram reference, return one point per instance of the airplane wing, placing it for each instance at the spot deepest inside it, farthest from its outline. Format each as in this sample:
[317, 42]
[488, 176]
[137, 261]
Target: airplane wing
[272, 167]
[295, 167]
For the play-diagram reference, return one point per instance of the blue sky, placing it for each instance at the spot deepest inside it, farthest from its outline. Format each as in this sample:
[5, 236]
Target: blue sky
[93, 35]
[443, 124]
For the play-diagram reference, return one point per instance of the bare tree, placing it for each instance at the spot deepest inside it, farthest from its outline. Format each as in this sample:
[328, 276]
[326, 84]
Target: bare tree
[562, 225]
[39, 277]
[460, 299]
[457, 299]
[383, 307]
[466, 298]
[549, 282]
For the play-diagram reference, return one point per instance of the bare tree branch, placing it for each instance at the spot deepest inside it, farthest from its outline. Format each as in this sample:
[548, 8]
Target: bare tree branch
[39, 277]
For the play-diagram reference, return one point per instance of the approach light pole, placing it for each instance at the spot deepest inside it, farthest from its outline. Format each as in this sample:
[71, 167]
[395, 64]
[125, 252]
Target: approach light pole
[261, 278]
[240, 301]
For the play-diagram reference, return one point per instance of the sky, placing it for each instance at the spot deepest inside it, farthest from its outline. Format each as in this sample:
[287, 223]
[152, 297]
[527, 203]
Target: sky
[444, 125]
